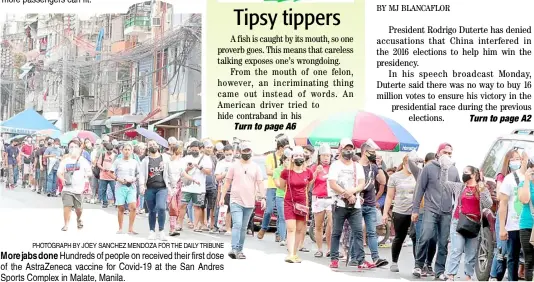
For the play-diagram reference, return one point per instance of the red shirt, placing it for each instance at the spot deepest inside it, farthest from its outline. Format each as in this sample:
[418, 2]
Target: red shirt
[320, 187]
[499, 178]
[27, 150]
[297, 184]
[470, 203]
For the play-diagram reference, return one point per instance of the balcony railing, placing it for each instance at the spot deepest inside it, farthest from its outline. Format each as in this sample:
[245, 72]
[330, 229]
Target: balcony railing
[137, 21]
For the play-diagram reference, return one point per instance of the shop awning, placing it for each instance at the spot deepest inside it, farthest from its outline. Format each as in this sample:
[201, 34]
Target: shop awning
[125, 119]
[98, 122]
[171, 117]
[199, 117]
[26, 122]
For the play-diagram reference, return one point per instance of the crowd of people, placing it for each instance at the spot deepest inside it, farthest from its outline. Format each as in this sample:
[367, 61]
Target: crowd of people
[344, 191]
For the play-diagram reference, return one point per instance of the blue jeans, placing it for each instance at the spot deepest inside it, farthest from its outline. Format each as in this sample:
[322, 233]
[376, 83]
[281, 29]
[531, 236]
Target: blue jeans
[513, 249]
[434, 226]
[51, 183]
[369, 216]
[141, 201]
[103, 190]
[431, 245]
[281, 221]
[460, 245]
[498, 267]
[354, 217]
[271, 203]
[16, 174]
[156, 199]
[240, 218]
[190, 213]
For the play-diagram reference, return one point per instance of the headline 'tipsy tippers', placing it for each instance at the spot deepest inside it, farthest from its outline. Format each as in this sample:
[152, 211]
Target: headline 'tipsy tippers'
[290, 18]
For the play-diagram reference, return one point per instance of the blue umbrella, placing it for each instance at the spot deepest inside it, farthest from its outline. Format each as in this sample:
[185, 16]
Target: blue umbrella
[153, 136]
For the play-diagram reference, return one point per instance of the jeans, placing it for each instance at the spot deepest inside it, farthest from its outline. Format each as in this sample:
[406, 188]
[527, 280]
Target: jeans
[431, 245]
[41, 182]
[460, 245]
[94, 188]
[271, 202]
[156, 199]
[354, 217]
[513, 249]
[141, 202]
[281, 221]
[240, 219]
[369, 216]
[103, 189]
[528, 252]
[434, 226]
[51, 182]
[498, 265]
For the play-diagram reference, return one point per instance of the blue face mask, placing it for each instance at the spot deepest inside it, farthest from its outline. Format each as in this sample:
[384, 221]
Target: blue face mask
[515, 165]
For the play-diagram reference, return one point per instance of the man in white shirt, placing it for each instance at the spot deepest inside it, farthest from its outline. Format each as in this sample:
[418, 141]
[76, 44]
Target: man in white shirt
[346, 180]
[74, 171]
[198, 166]
[220, 175]
[509, 211]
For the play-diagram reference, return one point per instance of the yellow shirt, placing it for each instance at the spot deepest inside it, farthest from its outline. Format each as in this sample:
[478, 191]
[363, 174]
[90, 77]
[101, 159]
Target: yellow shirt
[270, 163]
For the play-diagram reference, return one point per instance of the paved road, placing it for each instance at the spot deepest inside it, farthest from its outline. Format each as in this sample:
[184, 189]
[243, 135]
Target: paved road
[104, 221]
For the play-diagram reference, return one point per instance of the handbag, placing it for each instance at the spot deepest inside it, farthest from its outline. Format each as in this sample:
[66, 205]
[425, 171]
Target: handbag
[298, 209]
[96, 169]
[187, 182]
[467, 226]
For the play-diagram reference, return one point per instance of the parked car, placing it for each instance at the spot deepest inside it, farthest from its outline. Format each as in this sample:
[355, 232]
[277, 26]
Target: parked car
[258, 212]
[492, 165]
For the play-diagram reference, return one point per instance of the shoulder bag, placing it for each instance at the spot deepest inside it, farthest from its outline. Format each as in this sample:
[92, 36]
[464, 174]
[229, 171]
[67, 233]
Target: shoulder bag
[298, 209]
[467, 226]
[187, 182]
[96, 169]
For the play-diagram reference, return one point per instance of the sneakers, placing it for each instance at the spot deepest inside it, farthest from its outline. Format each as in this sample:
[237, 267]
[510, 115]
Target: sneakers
[282, 243]
[381, 262]
[334, 264]
[366, 265]
[261, 234]
[232, 254]
[394, 267]
[161, 236]
[417, 272]
[152, 235]
[354, 263]
[441, 277]
[92, 201]
[428, 271]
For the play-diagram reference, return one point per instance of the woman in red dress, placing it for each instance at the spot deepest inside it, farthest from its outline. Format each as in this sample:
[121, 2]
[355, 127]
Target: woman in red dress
[295, 181]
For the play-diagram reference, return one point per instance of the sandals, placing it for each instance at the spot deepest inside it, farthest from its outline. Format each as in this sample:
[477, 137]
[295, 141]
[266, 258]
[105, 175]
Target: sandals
[318, 254]
[197, 230]
[240, 256]
[179, 229]
[304, 250]
[174, 233]
[132, 233]
[80, 224]
[65, 228]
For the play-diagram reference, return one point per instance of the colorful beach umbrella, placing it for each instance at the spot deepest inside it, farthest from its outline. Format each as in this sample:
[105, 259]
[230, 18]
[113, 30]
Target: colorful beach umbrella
[48, 133]
[82, 134]
[360, 127]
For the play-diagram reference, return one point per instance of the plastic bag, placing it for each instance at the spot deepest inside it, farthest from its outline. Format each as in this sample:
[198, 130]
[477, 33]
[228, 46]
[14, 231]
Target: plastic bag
[221, 218]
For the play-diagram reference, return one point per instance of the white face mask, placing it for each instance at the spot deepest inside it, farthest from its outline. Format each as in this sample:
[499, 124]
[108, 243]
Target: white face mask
[229, 158]
[56, 146]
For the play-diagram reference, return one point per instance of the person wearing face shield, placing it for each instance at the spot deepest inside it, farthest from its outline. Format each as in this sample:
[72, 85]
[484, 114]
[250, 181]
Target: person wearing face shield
[438, 213]
[373, 175]
[53, 155]
[321, 201]
[285, 162]
[246, 179]
[346, 180]
[73, 171]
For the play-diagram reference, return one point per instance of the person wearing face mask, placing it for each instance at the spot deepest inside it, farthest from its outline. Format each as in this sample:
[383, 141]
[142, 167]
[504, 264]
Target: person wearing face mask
[53, 156]
[372, 175]
[73, 171]
[321, 202]
[285, 162]
[308, 153]
[107, 180]
[155, 185]
[173, 143]
[11, 154]
[346, 180]
[95, 156]
[526, 222]
[472, 197]
[211, 189]
[246, 179]
[295, 182]
[511, 163]
[271, 163]
[219, 151]
[401, 188]
[26, 155]
[198, 166]
[40, 167]
[438, 212]
[220, 175]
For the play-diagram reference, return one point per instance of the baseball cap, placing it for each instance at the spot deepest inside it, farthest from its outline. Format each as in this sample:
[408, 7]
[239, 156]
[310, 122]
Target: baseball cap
[298, 151]
[443, 146]
[172, 140]
[324, 149]
[219, 146]
[208, 144]
[345, 142]
[245, 146]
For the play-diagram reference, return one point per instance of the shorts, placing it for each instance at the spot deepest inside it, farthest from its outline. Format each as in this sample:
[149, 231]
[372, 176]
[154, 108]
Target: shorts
[125, 195]
[196, 198]
[210, 199]
[71, 200]
[321, 204]
[27, 169]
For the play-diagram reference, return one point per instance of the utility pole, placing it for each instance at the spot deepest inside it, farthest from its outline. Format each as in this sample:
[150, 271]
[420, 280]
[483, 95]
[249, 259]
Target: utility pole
[66, 97]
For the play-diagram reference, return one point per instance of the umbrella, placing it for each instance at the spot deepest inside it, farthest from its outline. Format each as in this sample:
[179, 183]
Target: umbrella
[48, 133]
[82, 134]
[360, 127]
[153, 136]
[18, 137]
